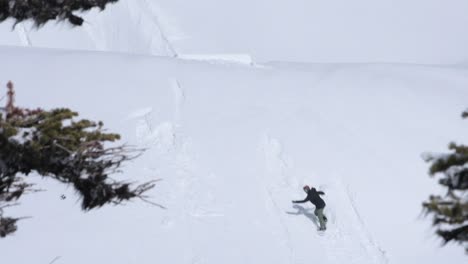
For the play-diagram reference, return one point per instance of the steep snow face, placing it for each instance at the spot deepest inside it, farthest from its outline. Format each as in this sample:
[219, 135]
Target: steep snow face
[418, 31]
[128, 26]
[233, 145]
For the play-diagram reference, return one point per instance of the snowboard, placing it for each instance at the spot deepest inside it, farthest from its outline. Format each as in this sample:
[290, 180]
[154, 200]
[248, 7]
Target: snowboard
[321, 232]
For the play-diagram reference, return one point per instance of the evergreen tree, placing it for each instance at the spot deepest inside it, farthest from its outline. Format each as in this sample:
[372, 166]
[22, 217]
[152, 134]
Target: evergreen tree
[451, 211]
[54, 144]
[41, 11]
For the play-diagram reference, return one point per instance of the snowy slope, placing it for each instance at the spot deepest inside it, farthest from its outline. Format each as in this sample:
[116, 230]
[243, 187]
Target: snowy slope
[234, 144]
[129, 26]
[418, 31]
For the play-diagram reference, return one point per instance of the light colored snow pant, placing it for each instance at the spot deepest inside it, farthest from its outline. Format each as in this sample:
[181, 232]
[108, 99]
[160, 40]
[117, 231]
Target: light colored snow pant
[319, 214]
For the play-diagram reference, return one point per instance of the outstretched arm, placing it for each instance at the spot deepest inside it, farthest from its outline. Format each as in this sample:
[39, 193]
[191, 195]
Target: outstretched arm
[320, 192]
[301, 201]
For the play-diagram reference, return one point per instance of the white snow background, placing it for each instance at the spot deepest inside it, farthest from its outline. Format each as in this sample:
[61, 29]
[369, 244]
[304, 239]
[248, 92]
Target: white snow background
[245, 102]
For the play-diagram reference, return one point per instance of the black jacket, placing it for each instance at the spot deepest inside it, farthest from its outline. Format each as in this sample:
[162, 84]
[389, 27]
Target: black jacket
[314, 197]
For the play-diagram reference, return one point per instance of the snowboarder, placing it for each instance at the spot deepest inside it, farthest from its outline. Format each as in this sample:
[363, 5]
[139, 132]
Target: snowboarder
[313, 196]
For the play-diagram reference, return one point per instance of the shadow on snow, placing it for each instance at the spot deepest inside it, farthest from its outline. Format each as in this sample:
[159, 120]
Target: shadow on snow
[307, 212]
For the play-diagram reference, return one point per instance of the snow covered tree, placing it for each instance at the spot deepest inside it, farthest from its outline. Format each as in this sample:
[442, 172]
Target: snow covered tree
[53, 144]
[451, 211]
[41, 11]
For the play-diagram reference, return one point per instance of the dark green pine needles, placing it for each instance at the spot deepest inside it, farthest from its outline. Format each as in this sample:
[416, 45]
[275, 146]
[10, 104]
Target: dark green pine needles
[41, 11]
[57, 145]
[451, 211]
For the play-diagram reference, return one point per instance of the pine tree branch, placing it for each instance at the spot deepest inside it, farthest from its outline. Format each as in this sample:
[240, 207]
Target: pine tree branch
[459, 234]
[69, 151]
[42, 11]
[152, 203]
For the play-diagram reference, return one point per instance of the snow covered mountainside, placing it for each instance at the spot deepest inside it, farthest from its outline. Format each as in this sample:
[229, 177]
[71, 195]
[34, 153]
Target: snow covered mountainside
[417, 31]
[241, 103]
[234, 144]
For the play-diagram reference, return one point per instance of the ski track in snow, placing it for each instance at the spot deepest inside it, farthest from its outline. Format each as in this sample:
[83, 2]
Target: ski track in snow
[276, 164]
[150, 11]
[193, 188]
[179, 98]
[370, 244]
[165, 144]
[345, 223]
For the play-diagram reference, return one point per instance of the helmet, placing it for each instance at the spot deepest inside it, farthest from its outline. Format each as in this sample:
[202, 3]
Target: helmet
[306, 187]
